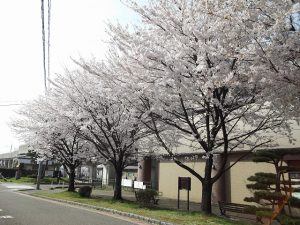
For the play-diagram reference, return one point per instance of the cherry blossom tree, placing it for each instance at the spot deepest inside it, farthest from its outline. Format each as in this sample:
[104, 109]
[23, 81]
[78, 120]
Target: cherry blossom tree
[42, 125]
[105, 121]
[277, 51]
[202, 73]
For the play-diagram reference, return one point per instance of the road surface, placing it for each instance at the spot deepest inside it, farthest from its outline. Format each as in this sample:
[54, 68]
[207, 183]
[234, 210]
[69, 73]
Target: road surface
[20, 209]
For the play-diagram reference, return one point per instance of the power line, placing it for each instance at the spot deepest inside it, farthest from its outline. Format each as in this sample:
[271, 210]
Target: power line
[44, 44]
[49, 19]
[46, 40]
[12, 104]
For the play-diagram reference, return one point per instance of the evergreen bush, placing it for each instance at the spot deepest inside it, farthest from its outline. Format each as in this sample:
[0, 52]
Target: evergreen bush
[146, 196]
[85, 191]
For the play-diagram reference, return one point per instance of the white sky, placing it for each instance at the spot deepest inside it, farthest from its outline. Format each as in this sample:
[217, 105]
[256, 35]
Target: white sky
[77, 29]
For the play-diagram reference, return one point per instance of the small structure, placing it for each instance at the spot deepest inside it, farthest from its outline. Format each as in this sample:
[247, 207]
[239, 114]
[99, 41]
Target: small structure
[103, 172]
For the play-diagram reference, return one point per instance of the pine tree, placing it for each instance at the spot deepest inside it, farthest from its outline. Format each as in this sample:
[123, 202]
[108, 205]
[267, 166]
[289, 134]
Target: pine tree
[267, 187]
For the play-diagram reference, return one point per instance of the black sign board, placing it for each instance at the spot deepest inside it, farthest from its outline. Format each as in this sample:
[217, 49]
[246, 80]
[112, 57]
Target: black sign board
[184, 183]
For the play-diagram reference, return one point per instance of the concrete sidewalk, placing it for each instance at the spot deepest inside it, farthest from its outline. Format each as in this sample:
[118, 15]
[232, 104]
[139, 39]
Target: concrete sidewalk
[164, 203]
[18, 187]
[130, 196]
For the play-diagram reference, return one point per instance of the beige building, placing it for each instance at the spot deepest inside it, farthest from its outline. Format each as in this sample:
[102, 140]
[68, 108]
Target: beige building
[231, 187]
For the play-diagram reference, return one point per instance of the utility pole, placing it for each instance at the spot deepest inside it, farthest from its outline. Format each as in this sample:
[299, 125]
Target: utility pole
[46, 73]
[38, 181]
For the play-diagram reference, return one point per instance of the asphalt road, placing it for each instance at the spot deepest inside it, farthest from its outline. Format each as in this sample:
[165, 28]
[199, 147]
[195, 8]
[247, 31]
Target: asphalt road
[20, 209]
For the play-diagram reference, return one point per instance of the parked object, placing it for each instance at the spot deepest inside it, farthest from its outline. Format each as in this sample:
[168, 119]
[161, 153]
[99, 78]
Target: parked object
[239, 209]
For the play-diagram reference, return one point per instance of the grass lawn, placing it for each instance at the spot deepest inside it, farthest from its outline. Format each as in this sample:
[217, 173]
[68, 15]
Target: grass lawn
[46, 180]
[173, 216]
[21, 180]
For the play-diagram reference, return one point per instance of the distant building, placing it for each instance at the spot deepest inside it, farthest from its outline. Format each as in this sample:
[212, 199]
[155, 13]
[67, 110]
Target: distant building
[14, 159]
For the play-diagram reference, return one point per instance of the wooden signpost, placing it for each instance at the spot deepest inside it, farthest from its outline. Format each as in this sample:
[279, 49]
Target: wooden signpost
[184, 183]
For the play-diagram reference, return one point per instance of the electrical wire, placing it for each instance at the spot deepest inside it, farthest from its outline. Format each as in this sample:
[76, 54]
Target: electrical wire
[49, 20]
[12, 104]
[46, 60]
[44, 44]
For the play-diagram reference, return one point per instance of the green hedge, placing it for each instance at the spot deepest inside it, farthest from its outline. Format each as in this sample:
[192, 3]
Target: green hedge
[7, 173]
[146, 196]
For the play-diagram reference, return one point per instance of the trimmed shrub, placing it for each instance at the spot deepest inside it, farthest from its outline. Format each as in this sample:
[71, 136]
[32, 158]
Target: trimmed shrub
[147, 196]
[85, 191]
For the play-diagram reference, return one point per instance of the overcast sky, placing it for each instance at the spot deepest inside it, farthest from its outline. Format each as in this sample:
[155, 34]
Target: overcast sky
[77, 29]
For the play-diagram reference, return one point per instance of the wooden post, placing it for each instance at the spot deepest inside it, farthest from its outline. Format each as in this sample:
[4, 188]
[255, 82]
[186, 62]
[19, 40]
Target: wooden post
[188, 200]
[178, 198]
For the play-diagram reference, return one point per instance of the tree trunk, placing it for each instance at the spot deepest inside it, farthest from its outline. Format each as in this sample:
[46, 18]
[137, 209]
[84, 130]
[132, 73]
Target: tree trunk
[118, 187]
[71, 180]
[206, 196]
[207, 186]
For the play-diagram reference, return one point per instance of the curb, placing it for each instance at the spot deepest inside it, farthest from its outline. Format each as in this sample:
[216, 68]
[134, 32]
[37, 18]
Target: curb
[109, 210]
